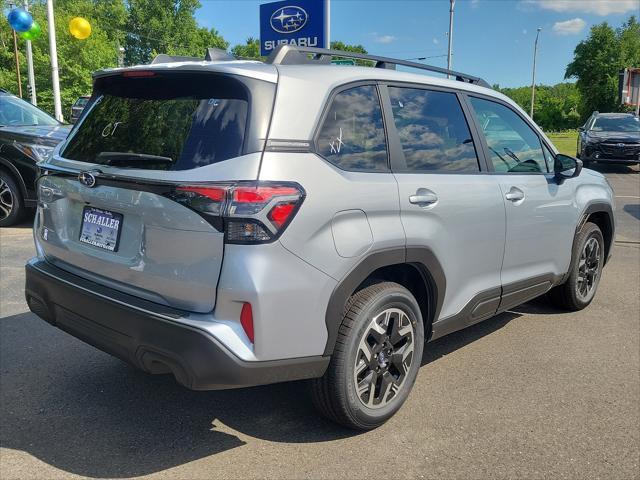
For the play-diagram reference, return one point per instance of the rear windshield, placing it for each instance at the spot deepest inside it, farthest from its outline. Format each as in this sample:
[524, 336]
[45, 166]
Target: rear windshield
[162, 122]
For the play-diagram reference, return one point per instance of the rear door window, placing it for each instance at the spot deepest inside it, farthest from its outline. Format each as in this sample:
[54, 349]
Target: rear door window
[352, 135]
[433, 131]
[171, 122]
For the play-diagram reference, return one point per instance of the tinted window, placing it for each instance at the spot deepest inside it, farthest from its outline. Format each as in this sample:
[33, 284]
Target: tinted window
[513, 146]
[352, 135]
[16, 112]
[162, 123]
[433, 131]
[616, 124]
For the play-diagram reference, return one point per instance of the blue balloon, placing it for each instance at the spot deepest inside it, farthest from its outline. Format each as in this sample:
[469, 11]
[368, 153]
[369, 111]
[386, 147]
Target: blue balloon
[20, 20]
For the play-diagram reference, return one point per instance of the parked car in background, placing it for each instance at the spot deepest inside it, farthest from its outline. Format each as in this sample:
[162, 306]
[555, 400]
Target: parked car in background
[78, 107]
[27, 135]
[610, 138]
[241, 223]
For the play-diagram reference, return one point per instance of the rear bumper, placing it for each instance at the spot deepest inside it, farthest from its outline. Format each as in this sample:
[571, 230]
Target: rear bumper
[148, 336]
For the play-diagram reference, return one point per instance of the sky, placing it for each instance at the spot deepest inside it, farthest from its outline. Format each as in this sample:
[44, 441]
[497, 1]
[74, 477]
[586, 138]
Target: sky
[492, 39]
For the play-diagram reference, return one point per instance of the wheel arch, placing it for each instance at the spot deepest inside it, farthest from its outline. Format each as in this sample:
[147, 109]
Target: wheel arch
[15, 173]
[416, 268]
[601, 214]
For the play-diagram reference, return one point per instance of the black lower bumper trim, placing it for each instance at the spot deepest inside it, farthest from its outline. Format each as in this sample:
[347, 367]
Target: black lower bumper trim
[125, 327]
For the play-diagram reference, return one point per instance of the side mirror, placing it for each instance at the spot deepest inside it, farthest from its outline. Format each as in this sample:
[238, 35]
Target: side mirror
[581, 129]
[566, 167]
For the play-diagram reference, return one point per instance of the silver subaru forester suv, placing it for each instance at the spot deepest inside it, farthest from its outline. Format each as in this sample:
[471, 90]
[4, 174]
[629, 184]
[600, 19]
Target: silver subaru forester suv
[238, 223]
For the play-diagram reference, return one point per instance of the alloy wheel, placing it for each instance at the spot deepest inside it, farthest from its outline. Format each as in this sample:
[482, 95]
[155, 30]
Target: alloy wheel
[6, 199]
[588, 269]
[384, 357]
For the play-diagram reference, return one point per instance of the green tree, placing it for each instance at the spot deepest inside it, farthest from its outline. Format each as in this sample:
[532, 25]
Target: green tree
[597, 61]
[166, 26]
[249, 50]
[77, 59]
[345, 47]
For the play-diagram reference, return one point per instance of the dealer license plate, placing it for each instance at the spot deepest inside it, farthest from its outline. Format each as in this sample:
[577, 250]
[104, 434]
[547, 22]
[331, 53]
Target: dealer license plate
[101, 228]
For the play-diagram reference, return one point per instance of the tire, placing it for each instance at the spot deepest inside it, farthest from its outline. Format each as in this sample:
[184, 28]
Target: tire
[363, 329]
[579, 289]
[12, 207]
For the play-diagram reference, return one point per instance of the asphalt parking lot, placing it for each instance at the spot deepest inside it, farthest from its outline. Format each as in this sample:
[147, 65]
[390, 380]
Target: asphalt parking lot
[531, 393]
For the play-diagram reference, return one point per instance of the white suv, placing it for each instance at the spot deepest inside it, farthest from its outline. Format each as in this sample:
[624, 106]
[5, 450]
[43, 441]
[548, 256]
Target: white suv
[239, 223]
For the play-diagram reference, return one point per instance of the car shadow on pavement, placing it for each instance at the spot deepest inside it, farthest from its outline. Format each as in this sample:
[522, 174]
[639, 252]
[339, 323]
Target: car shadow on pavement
[87, 413]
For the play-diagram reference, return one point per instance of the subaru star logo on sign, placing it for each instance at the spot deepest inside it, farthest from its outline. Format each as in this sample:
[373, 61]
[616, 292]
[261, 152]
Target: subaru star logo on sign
[292, 22]
[288, 19]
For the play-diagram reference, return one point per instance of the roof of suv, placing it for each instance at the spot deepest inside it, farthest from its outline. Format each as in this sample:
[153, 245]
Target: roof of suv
[326, 75]
[309, 83]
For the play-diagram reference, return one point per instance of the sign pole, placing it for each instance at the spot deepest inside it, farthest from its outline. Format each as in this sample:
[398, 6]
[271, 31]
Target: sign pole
[53, 51]
[327, 23]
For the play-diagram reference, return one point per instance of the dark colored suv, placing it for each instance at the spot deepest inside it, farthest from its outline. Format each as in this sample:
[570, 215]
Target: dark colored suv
[610, 138]
[27, 136]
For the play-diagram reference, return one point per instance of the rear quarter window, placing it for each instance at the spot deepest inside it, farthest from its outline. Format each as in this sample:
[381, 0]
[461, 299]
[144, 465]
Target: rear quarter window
[352, 135]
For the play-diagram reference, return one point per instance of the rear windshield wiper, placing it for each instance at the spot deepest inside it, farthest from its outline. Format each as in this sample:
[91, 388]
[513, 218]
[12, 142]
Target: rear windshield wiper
[129, 159]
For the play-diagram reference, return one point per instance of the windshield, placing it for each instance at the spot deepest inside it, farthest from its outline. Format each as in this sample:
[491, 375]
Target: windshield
[616, 124]
[16, 112]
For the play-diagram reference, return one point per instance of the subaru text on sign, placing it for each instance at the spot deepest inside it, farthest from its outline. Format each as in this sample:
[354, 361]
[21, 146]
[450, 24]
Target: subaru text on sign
[299, 23]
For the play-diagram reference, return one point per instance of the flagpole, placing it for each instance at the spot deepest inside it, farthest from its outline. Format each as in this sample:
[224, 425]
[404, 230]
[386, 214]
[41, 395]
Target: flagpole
[53, 52]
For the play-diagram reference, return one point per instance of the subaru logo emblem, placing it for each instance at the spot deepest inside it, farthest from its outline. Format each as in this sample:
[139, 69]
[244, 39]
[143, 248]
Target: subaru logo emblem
[87, 179]
[288, 19]
[620, 145]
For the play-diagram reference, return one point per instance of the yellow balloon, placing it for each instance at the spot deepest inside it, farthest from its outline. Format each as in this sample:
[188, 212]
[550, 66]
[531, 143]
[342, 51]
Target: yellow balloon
[80, 28]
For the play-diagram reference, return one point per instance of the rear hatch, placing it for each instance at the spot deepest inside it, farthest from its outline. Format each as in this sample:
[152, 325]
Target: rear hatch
[121, 202]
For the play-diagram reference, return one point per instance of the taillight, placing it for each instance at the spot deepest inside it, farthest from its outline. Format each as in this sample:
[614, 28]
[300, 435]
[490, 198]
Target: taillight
[249, 212]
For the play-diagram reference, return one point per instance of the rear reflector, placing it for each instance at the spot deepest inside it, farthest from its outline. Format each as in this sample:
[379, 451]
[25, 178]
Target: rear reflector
[246, 320]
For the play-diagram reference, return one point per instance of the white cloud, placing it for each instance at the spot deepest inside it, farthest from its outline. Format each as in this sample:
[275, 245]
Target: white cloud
[598, 7]
[383, 38]
[569, 27]
[435, 41]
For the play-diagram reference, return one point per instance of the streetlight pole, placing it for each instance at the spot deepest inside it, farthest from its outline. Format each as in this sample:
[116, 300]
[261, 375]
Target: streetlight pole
[53, 52]
[452, 4]
[533, 77]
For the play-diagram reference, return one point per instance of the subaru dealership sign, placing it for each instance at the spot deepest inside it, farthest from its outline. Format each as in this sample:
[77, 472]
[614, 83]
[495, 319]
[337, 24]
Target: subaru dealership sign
[293, 22]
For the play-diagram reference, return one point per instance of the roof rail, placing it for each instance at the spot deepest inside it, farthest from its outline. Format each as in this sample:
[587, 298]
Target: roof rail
[212, 54]
[295, 55]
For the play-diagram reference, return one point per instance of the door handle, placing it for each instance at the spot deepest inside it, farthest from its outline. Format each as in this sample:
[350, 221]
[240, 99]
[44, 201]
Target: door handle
[514, 195]
[423, 197]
